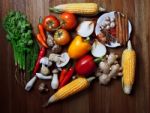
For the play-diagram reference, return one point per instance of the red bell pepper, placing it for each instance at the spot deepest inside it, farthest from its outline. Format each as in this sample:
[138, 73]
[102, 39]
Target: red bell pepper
[86, 65]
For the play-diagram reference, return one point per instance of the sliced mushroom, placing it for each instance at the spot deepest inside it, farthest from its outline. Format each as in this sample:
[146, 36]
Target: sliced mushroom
[60, 60]
[45, 61]
[65, 60]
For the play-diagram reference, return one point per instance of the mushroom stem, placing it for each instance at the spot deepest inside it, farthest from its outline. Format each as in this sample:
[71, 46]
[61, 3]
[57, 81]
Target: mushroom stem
[55, 83]
[30, 84]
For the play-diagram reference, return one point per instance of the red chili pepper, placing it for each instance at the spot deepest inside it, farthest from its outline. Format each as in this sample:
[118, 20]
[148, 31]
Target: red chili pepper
[67, 77]
[62, 75]
[40, 55]
[41, 30]
[41, 41]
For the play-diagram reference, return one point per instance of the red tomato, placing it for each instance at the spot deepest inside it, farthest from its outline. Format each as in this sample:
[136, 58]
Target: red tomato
[68, 20]
[85, 66]
[62, 37]
[50, 23]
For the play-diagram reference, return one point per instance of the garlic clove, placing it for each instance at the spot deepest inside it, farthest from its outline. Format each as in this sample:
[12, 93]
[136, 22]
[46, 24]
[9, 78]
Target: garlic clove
[112, 19]
[107, 18]
[107, 23]
[112, 25]
[107, 27]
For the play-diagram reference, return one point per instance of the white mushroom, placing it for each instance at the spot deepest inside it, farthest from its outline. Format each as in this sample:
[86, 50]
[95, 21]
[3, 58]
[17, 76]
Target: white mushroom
[112, 25]
[45, 64]
[30, 84]
[45, 61]
[41, 76]
[60, 60]
[55, 82]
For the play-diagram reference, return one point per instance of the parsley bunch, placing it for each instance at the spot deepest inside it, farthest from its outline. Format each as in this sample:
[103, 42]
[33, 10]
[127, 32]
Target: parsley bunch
[19, 34]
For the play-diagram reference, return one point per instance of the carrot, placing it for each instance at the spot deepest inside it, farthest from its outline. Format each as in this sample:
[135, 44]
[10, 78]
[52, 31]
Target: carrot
[41, 41]
[41, 30]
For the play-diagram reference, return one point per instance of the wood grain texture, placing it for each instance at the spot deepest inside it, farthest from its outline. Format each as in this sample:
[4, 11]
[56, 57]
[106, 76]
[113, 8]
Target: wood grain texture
[96, 99]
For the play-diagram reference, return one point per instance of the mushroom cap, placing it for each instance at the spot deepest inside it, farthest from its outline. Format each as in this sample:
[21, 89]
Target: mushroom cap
[45, 61]
[65, 58]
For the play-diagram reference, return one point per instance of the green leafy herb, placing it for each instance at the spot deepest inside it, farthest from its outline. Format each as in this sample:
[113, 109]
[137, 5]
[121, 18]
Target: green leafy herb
[19, 34]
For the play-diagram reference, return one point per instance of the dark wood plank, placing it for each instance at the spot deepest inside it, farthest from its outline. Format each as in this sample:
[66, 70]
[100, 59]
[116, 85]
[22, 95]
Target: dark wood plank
[96, 99]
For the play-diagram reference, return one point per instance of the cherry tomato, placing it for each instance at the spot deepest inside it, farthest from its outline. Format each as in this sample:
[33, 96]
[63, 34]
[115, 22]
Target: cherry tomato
[50, 23]
[61, 37]
[68, 21]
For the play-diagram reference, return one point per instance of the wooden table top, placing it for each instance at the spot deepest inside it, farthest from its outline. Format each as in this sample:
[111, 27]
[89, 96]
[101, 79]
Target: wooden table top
[96, 99]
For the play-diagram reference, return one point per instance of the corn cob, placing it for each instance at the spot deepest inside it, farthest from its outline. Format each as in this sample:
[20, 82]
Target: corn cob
[128, 65]
[73, 87]
[78, 8]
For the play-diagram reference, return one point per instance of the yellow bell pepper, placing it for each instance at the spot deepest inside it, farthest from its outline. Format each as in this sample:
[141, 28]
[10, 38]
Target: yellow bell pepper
[78, 47]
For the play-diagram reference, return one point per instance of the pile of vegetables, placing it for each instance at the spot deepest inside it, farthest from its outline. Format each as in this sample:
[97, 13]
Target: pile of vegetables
[73, 61]
[19, 34]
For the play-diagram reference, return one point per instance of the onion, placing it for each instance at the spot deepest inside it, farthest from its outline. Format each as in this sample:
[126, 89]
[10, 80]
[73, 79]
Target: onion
[98, 49]
[85, 28]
